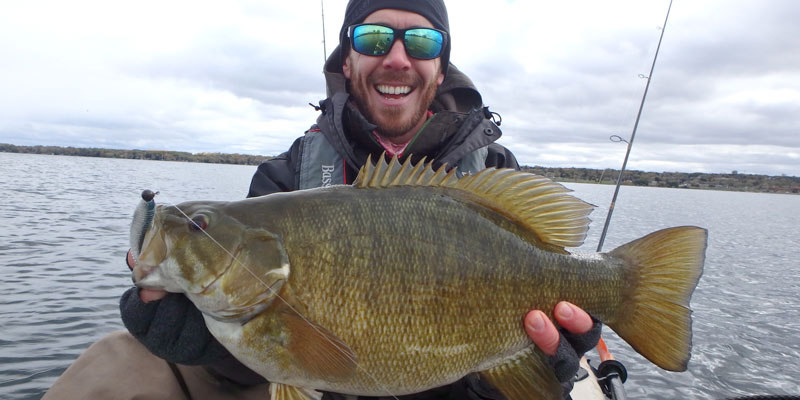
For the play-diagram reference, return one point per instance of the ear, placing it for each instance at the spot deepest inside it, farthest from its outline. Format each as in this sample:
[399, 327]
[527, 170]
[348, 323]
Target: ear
[440, 79]
[346, 67]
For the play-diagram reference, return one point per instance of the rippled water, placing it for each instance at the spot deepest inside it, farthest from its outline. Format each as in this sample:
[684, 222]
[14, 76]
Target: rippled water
[63, 236]
[747, 305]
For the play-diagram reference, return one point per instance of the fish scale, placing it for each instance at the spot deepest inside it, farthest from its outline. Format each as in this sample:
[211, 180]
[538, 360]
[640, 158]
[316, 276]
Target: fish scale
[396, 256]
[413, 278]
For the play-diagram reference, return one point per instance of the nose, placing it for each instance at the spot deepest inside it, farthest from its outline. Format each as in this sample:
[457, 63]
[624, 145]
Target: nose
[397, 58]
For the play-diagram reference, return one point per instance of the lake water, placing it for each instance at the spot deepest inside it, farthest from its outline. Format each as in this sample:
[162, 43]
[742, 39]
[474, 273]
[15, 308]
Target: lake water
[64, 232]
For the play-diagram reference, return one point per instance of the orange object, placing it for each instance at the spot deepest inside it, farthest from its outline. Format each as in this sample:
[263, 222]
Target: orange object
[602, 350]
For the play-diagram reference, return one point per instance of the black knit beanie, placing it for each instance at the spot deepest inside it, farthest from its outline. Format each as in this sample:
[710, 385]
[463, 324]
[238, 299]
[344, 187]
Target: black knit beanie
[433, 10]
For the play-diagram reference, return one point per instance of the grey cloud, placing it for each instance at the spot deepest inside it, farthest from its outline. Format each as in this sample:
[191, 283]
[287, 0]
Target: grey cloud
[726, 80]
[247, 67]
[743, 38]
[590, 98]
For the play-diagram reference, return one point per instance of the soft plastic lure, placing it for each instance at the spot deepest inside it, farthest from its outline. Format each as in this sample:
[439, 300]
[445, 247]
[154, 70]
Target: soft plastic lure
[142, 219]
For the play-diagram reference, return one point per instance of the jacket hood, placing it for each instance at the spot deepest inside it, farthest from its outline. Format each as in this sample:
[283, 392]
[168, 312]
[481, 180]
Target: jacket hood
[459, 127]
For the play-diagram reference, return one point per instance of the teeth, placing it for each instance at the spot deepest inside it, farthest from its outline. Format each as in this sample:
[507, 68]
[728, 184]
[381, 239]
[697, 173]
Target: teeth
[386, 89]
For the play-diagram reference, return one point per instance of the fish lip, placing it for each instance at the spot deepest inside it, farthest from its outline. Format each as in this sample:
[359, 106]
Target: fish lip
[141, 271]
[150, 257]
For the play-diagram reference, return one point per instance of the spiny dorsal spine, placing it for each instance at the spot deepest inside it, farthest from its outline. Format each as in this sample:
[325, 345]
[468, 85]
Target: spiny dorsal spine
[541, 205]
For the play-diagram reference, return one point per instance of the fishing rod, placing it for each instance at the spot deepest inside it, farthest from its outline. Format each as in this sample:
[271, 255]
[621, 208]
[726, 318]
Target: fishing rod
[324, 46]
[612, 372]
[633, 134]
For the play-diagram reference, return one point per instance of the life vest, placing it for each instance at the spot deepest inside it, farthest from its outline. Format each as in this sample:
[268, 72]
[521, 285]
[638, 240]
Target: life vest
[322, 166]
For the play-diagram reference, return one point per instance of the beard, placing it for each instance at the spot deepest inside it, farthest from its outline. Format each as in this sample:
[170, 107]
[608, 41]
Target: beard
[392, 121]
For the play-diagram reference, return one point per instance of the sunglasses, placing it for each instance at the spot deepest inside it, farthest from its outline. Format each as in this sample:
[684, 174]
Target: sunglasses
[377, 40]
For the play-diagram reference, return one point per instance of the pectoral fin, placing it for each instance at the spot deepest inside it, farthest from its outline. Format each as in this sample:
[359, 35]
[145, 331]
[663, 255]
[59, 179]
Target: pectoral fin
[279, 391]
[316, 349]
[526, 376]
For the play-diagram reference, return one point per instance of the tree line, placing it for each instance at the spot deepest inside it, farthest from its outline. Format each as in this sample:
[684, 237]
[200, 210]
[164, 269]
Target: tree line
[693, 180]
[161, 155]
[690, 180]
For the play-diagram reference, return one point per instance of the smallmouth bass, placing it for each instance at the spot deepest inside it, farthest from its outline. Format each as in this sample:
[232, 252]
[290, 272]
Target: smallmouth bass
[413, 278]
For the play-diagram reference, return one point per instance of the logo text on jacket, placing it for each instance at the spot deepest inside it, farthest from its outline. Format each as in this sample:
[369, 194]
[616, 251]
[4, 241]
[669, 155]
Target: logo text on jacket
[327, 175]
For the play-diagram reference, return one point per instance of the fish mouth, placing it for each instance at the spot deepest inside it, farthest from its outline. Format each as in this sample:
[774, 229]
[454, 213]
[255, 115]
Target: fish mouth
[142, 271]
[146, 273]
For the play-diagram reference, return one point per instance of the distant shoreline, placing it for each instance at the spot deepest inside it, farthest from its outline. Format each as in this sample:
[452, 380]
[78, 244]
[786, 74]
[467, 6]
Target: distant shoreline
[160, 155]
[689, 180]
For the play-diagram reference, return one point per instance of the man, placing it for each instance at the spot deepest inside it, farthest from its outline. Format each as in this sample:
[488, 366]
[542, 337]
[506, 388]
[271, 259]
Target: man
[391, 89]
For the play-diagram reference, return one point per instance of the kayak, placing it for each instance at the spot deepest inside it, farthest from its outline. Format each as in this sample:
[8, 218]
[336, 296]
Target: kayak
[601, 383]
[586, 385]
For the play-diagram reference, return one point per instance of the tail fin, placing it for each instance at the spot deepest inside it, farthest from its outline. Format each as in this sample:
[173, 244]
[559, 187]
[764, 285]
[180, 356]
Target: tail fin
[663, 269]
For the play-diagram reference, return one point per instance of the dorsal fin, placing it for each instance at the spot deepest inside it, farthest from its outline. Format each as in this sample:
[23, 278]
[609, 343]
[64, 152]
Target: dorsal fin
[535, 202]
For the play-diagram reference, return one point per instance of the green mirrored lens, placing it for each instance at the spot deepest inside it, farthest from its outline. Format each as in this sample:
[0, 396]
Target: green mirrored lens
[377, 40]
[373, 40]
[423, 43]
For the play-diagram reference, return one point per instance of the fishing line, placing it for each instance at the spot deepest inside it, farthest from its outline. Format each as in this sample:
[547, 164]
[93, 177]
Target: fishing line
[633, 91]
[633, 134]
[355, 362]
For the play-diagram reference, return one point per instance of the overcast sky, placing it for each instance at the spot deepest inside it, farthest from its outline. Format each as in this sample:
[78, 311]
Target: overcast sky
[237, 76]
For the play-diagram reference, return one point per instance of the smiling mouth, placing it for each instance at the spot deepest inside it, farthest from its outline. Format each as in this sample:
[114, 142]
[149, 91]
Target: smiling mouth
[392, 91]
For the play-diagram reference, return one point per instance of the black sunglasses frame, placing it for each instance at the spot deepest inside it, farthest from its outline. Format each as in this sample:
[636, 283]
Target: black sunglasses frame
[396, 35]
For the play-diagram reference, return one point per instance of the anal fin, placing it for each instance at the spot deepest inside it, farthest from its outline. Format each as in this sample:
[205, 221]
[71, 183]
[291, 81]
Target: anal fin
[526, 376]
[279, 391]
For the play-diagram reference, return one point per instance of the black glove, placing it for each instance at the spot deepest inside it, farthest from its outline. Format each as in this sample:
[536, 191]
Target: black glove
[171, 328]
[571, 348]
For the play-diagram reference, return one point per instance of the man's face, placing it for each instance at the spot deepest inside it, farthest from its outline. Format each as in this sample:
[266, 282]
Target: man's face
[394, 91]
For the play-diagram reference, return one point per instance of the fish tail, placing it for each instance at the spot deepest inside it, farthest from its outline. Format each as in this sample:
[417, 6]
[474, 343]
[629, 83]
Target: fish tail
[662, 270]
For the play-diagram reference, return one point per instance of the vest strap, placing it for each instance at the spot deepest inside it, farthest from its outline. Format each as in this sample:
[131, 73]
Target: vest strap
[320, 164]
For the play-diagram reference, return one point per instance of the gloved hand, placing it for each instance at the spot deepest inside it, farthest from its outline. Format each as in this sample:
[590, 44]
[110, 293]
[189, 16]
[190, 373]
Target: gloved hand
[171, 328]
[168, 324]
[579, 332]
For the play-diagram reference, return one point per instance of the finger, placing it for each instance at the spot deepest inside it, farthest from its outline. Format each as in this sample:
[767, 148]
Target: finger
[573, 318]
[148, 295]
[542, 331]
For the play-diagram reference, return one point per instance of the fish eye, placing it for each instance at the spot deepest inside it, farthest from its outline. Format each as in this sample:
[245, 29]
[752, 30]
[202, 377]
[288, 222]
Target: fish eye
[198, 223]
